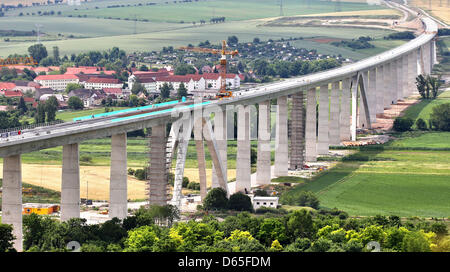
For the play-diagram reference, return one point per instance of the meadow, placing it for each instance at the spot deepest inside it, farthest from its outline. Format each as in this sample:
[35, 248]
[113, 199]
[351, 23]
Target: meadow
[163, 27]
[412, 182]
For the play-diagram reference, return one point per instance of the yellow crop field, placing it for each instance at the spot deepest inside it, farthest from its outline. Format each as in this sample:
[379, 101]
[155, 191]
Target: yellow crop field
[438, 8]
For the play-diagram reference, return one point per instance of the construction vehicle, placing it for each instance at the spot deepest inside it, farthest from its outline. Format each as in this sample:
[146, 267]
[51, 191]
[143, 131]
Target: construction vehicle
[223, 92]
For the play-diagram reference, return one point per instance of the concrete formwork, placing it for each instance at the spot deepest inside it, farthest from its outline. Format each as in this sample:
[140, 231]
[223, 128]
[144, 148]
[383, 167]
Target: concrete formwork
[281, 138]
[297, 132]
[70, 187]
[12, 197]
[323, 138]
[263, 163]
[118, 199]
[310, 126]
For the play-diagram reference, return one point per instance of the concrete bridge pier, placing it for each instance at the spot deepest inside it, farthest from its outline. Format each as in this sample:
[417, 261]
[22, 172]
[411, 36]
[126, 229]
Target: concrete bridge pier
[297, 148]
[70, 187]
[281, 138]
[12, 197]
[380, 90]
[157, 171]
[388, 86]
[405, 76]
[399, 79]
[310, 126]
[344, 113]
[372, 95]
[263, 164]
[243, 163]
[362, 118]
[394, 82]
[334, 126]
[354, 92]
[118, 200]
[323, 138]
[220, 132]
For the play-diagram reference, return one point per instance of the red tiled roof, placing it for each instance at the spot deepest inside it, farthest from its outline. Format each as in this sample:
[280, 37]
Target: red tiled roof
[103, 80]
[7, 85]
[112, 90]
[28, 99]
[151, 73]
[12, 93]
[174, 79]
[56, 77]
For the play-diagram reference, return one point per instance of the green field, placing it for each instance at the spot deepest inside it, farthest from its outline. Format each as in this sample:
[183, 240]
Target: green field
[391, 182]
[424, 108]
[164, 27]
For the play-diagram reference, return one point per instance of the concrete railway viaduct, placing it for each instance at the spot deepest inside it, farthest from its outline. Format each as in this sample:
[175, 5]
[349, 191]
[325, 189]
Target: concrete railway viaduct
[342, 99]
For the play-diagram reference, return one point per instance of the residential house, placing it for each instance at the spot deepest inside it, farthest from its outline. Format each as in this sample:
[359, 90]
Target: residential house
[41, 91]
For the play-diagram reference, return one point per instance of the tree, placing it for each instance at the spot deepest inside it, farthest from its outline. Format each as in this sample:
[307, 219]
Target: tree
[141, 239]
[165, 90]
[37, 52]
[6, 238]
[402, 124]
[300, 224]
[421, 124]
[51, 106]
[22, 106]
[415, 242]
[182, 91]
[232, 40]
[73, 86]
[137, 88]
[75, 103]
[440, 117]
[56, 54]
[39, 117]
[216, 199]
[184, 69]
[240, 202]
[434, 84]
[143, 68]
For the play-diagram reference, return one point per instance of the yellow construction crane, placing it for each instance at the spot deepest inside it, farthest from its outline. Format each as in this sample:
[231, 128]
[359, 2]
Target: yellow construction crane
[223, 92]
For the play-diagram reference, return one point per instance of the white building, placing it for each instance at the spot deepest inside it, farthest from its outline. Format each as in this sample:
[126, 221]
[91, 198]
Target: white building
[56, 82]
[264, 201]
[101, 83]
[148, 82]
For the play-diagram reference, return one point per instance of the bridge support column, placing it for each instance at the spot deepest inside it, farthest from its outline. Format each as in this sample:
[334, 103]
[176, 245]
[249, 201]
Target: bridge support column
[405, 76]
[380, 90]
[413, 63]
[70, 187]
[433, 52]
[399, 78]
[394, 82]
[281, 139]
[297, 132]
[243, 163]
[12, 197]
[263, 164]
[200, 149]
[344, 121]
[118, 200]
[311, 126]
[362, 119]
[157, 171]
[372, 95]
[354, 108]
[387, 86]
[334, 126]
[220, 132]
[323, 139]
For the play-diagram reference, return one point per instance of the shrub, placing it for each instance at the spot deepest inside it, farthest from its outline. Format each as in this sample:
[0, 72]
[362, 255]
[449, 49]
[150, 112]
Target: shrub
[193, 186]
[260, 192]
[185, 183]
[403, 124]
[240, 202]
[421, 124]
[131, 171]
[141, 174]
[440, 117]
[307, 198]
[216, 199]
[86, 158]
